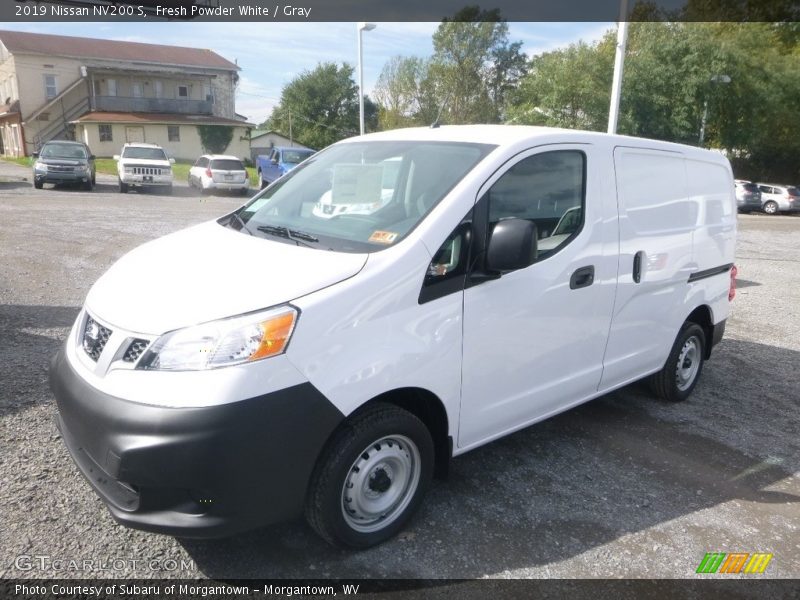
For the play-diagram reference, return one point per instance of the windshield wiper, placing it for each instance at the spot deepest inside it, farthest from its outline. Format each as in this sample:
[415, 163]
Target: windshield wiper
[242, 224]
[298, 237]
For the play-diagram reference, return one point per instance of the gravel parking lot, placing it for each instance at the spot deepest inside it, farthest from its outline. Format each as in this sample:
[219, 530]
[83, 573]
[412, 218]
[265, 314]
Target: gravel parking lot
[624, 486]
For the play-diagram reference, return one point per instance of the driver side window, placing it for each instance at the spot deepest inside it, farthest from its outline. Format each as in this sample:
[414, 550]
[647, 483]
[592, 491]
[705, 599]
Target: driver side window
[548, 189]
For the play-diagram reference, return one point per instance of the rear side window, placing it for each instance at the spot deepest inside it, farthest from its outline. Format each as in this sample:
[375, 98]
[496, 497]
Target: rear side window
[548, 189]
[227, 165]
[793, 191]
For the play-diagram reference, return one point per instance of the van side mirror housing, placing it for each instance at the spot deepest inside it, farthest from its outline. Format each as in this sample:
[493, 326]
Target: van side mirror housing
[116, 157]
[512, 245]
[92, 157]
[34, 155]
[172, 161]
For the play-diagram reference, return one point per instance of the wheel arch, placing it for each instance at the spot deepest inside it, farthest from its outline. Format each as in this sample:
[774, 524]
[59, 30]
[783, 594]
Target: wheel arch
[428, 408]
[703, 317]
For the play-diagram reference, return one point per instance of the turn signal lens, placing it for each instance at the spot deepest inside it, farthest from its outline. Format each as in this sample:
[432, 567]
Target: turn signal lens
[274, 335]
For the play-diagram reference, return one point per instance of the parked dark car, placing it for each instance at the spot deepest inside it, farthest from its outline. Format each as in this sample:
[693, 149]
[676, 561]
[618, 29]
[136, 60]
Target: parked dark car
[748, 196]
[61, 161]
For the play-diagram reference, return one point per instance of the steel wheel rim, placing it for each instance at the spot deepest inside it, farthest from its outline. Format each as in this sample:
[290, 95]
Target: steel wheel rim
[688, 364]
[381, 483]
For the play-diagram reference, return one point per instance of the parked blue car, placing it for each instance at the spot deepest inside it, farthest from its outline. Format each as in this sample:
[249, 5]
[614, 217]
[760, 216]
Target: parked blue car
[278, 162]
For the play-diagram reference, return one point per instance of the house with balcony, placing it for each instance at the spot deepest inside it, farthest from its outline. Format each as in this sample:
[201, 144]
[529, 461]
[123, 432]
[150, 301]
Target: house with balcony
[106, 93]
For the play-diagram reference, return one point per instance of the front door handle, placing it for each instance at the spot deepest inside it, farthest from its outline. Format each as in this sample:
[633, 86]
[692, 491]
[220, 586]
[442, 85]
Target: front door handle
[583, 277]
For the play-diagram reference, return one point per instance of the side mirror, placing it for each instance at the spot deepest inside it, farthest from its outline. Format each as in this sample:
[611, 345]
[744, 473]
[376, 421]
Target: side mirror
[512, 245]
[92, 157]
[172, 161]
[274, 161]
[34, 155]
[116, 157]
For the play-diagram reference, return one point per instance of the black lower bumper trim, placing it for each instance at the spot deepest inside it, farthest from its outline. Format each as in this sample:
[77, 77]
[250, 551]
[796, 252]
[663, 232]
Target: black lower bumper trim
[195, 472]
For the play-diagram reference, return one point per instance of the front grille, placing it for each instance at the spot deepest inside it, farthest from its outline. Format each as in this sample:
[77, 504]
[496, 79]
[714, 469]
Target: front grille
[60, 168]
[146, 170]
[135, 350]
[95, 337]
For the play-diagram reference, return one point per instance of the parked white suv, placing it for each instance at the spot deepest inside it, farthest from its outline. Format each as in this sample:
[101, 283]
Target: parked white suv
[219, 172]
[144, 165]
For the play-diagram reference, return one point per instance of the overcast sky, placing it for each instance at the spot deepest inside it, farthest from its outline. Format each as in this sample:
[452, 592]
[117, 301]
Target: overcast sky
[272, 54]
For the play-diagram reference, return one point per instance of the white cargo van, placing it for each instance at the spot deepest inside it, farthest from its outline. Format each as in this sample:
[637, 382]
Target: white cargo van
[278, 361]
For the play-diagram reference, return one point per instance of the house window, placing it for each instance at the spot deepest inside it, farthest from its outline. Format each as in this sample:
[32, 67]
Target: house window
[105, 133]
[183, 91]
[111, 84]
[50, 87]
[174, 133]
[158, 88]
[137, 90]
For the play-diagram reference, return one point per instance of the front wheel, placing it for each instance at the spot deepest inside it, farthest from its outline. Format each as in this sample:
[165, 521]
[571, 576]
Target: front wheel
[676, 380]
[371, 477]
[771, 208]
[123, 187]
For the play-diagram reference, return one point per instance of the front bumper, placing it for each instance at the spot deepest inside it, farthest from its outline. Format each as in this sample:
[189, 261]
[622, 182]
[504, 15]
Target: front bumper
[62, 177]
[194, 472]
[147, 180]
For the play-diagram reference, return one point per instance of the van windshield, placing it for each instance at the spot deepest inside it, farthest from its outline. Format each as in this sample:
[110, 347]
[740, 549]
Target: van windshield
[360, 196]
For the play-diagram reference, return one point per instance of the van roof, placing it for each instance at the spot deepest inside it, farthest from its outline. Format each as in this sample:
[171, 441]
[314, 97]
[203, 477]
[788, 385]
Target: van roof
[504, 135]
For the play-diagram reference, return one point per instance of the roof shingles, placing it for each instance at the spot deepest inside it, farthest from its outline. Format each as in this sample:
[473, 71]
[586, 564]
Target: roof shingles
[19, 42]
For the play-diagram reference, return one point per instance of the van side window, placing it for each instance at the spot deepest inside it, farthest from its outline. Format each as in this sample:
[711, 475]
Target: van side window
[447, 271]
[548, 189]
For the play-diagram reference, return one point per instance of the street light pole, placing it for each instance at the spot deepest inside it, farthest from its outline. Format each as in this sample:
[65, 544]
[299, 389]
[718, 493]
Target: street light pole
[619, 62]
[361, 27]
[704, 118]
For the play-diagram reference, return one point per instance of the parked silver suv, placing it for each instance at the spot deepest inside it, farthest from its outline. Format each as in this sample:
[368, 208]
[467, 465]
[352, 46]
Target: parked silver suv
[779, 198]
[144, 165]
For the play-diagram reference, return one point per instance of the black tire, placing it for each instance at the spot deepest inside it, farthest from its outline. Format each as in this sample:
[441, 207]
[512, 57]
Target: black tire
[88, 186]
[123, 187]
[38, 184]
[676, 380]
[771, 207]
[382, 441]
[245, 191]
[168, 190]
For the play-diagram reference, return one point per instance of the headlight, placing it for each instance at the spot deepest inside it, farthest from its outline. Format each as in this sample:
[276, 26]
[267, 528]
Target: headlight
[82, 168]
[40, 166]
[223, 343]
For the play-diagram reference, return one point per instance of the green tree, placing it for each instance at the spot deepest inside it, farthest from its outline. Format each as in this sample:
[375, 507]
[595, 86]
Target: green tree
[566, 88]
[321, 106]
[403, 93]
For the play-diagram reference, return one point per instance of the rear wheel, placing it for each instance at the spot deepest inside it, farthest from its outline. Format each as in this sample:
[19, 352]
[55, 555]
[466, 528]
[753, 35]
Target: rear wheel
[771, 207]
[676, 380]
[371, 477]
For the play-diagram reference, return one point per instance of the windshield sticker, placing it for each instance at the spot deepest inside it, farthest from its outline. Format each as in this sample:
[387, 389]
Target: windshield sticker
[382, 237]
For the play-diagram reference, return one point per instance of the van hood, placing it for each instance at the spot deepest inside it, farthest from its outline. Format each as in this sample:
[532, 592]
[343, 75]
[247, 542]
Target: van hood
[210, 272]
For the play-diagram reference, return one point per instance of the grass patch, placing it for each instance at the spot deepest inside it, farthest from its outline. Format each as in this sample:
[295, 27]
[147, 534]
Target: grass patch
[25, 161]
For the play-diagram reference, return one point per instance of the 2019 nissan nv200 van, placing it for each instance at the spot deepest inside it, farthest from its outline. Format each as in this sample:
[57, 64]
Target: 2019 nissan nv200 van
[282, 360]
